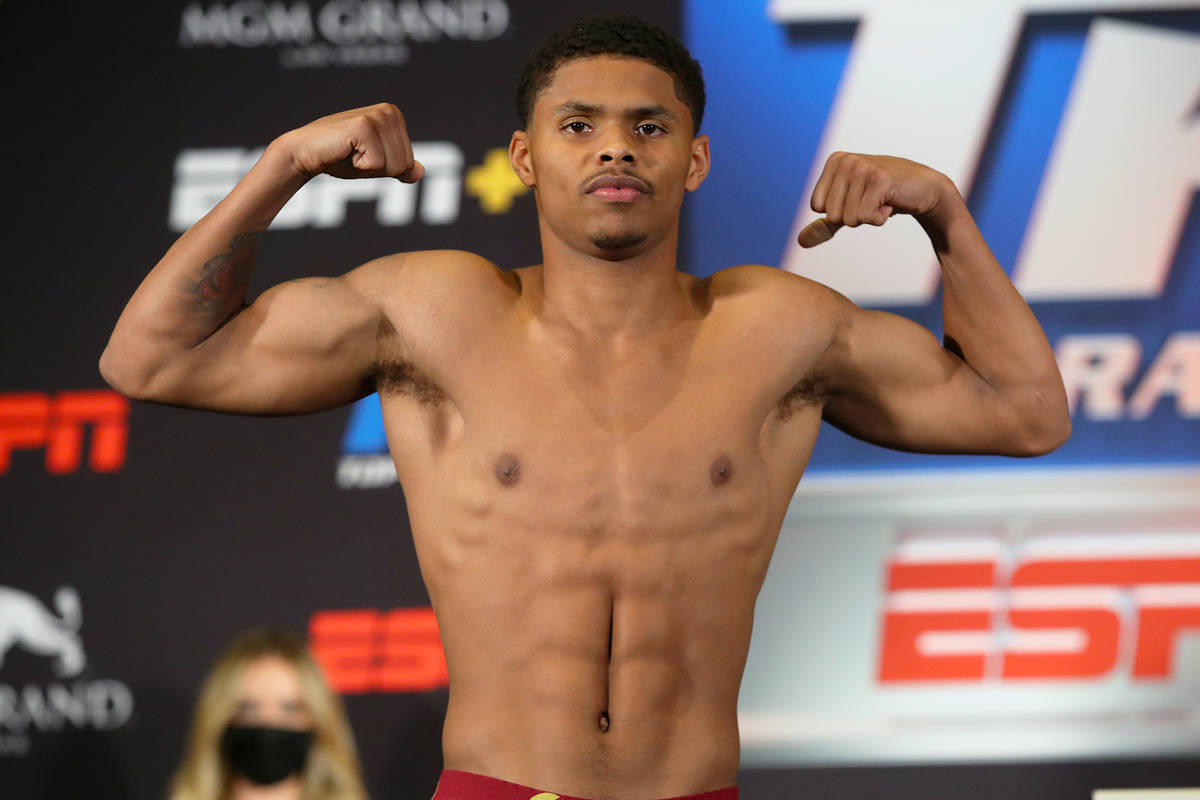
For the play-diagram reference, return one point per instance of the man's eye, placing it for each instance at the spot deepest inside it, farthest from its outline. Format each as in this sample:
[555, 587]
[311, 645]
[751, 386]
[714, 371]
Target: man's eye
[576, 127]
[649, 129]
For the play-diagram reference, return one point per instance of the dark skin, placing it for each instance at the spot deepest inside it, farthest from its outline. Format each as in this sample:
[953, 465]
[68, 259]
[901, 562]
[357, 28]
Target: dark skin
[597, 451]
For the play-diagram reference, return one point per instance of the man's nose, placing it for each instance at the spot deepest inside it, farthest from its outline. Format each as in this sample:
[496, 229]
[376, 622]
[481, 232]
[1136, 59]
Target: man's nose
[616, 147]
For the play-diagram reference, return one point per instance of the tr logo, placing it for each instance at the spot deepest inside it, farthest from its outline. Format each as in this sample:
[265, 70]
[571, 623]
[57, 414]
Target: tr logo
[372, 651]
[35, 419]
[24, 621]
[1131, 108]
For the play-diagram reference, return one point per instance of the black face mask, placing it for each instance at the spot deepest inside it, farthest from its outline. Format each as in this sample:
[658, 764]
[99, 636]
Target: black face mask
[265, 755]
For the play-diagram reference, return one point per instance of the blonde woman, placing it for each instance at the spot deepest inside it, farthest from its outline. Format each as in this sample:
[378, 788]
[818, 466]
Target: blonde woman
[267, 726]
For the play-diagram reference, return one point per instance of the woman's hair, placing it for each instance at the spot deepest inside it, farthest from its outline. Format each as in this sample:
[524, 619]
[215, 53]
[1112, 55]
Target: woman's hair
[332, 771]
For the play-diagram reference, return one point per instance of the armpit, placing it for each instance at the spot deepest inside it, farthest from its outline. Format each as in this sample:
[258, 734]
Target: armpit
[811, 390]
[401, 377]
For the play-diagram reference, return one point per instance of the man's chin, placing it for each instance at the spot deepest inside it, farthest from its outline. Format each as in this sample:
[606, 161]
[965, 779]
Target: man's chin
[614, 242]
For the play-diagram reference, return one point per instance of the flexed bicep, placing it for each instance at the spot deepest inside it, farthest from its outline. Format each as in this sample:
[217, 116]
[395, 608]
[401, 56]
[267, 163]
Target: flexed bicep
[995, 388]
[302, 346]
[891, 383]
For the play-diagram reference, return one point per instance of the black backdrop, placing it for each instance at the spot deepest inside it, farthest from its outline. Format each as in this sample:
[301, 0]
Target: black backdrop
[215, 523]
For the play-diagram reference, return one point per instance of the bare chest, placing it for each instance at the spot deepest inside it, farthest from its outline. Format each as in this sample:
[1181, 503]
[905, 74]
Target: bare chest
[669, 437]
[606, 442]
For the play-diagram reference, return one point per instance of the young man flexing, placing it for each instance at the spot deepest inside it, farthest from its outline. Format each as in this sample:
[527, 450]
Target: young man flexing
[597, 451]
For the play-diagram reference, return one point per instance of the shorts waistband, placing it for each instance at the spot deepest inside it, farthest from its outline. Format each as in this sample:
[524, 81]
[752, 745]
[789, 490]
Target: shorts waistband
[458, 785]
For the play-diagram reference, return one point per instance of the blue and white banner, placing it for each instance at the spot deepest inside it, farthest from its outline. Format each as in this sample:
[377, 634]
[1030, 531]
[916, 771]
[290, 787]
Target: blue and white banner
[930, 609]
[1072, 128]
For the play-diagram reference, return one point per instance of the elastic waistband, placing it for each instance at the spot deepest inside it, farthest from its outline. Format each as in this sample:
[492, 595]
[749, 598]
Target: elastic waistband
[458, 785]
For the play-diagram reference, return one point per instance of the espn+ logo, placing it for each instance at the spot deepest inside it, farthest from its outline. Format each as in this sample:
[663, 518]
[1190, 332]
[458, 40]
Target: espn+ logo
[204, 176]
[1065, 606]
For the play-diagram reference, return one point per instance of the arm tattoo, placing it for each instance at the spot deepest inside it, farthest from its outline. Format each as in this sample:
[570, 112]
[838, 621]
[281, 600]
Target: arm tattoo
[224, 279]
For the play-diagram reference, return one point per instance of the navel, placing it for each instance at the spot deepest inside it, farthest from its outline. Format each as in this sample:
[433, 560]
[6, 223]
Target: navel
[508, 470]
[721, 470]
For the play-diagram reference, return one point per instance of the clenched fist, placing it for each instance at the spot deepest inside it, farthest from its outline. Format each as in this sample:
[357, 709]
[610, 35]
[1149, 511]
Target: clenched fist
[854, 189]
[368, 142]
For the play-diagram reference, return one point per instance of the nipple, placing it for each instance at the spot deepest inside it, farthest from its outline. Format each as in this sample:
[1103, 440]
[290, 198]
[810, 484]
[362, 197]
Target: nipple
[603, 721]
[508, 470]
[721, 470]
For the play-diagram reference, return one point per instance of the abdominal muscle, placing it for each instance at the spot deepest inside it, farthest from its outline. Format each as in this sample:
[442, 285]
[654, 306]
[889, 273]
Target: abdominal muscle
[593, 542]
[595, 638]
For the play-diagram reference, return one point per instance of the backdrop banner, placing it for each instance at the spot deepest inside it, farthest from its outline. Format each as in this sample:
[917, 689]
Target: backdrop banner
[931, 612]
[982, 609]
[138, 539]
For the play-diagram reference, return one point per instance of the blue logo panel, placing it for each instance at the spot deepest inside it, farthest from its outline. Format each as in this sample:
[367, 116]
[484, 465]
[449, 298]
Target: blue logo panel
[771, 90]
[364, 432]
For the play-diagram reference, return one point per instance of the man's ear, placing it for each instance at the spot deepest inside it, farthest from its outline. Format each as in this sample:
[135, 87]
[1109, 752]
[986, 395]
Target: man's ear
[520, 158]
[700, 163]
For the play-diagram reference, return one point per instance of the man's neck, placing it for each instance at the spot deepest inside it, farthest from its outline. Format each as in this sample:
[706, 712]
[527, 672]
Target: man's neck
[612, 301]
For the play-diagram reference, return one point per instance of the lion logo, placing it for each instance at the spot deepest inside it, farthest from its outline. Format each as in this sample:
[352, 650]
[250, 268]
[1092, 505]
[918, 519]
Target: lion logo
[24, 621]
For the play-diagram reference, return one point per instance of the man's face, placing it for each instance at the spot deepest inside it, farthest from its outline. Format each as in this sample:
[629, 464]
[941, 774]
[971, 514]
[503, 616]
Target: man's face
[610, 151]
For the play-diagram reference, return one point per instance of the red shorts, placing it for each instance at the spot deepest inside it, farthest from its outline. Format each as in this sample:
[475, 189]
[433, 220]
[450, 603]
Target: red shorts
[457, 785]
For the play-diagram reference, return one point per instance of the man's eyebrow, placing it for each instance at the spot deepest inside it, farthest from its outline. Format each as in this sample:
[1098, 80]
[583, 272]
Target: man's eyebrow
[652, 111]
[578, 107]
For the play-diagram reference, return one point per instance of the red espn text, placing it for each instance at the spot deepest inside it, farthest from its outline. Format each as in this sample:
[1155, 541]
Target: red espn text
[379, 651]
[35, 419]
[1092, 601]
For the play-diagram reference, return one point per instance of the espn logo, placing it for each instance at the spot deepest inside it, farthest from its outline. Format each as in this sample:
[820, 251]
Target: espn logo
[1062, 607]
[204, 176]
[31, 420]
[366, 650]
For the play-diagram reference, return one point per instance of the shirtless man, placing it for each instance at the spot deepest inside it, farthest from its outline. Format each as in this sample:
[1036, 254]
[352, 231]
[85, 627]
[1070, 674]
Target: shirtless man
[597, 451]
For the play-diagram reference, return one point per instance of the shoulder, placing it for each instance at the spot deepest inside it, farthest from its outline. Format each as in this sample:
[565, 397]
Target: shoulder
[800, 324]
[450, 285]
[430, 271]
[433, 298]
[776, 293]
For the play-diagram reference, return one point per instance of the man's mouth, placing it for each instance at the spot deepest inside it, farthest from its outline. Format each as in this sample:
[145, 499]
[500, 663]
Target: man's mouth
[618, 188]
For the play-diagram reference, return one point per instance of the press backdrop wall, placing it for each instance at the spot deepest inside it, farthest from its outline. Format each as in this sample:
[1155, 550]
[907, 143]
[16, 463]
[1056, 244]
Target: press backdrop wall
[137, 539]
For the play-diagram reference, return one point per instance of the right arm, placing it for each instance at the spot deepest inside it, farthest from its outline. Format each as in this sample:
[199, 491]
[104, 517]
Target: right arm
[186, 337]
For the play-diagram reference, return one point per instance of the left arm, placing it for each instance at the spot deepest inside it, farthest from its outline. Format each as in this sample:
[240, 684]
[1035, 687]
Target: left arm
[994, 386]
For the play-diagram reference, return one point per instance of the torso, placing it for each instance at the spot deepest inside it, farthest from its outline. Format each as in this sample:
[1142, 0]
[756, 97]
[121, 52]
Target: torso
[593, 533]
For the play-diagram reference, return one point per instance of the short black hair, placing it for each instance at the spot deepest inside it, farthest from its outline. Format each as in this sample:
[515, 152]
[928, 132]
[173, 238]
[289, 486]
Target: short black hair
[612, 35]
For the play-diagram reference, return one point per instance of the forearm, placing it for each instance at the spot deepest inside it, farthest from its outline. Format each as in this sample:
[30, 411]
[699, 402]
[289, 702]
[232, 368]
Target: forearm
[204, 277]
[990, 325]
